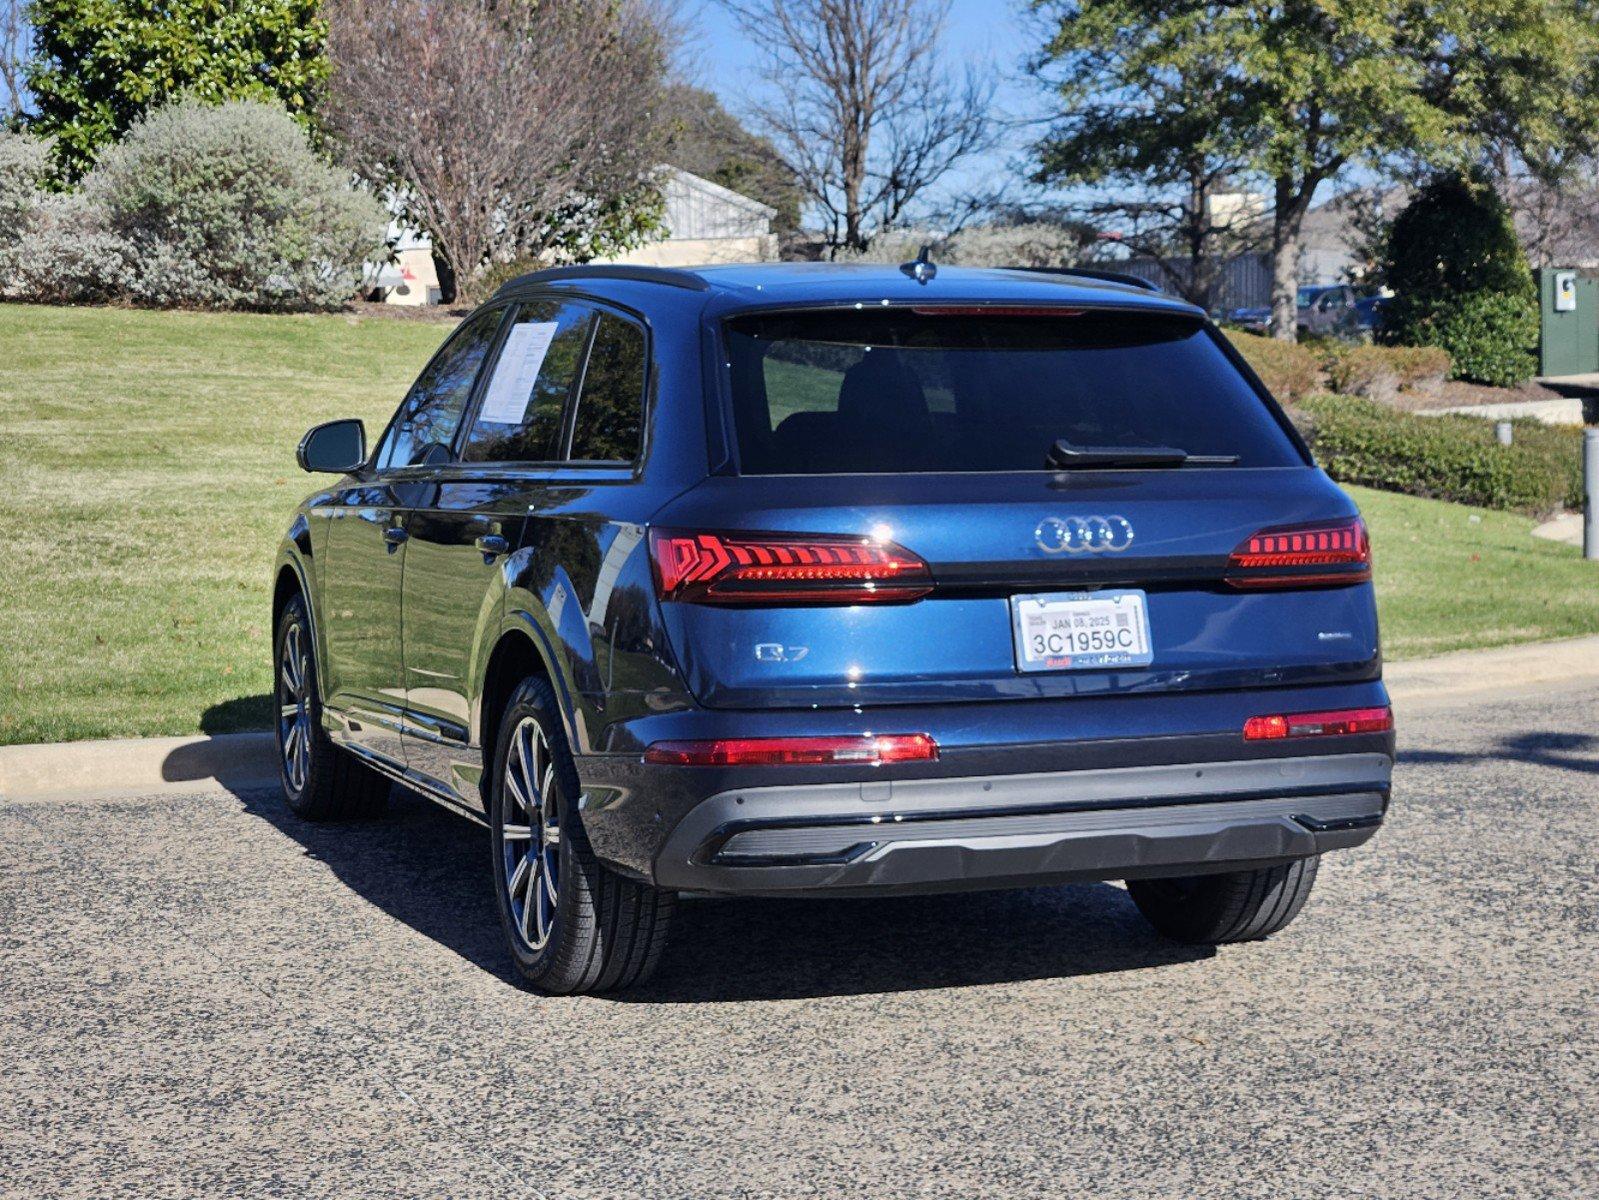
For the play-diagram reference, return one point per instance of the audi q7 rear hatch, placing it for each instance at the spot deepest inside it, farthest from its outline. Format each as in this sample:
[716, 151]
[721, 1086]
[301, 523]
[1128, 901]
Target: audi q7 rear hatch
[944, 502]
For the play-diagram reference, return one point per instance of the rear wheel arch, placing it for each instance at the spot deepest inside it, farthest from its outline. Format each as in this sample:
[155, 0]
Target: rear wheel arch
[515, 657]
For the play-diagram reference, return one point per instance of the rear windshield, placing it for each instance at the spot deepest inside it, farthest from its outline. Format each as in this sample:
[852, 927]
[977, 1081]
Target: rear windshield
[895, 391]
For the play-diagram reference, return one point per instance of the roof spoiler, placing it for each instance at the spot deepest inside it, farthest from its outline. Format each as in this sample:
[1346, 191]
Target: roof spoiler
[669, 276]
[1089, 273]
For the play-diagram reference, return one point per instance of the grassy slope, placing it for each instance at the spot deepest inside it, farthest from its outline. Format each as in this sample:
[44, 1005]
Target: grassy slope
[149, 471]
[1454, 578]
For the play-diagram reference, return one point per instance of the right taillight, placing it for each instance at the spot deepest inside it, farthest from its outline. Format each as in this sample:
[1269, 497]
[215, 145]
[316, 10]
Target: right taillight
[1319, 554]
[1339, 722]
[782, 568]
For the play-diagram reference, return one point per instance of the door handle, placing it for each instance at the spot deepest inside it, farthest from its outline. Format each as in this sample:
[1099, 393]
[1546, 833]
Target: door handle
[394, 535]
[491, 546]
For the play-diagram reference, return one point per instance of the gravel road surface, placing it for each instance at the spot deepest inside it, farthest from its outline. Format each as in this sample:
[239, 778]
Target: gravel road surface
[201, 996]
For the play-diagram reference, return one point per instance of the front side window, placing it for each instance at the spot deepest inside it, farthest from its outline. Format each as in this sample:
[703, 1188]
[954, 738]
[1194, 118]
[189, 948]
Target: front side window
[899, 390]
[609, 426]
[425, 426]
[519, 418]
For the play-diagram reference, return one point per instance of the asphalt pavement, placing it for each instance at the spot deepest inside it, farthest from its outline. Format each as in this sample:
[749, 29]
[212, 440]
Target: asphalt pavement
[202, 996]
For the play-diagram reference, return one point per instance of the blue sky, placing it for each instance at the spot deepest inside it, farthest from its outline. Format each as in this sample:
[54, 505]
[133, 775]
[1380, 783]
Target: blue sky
[994, 35]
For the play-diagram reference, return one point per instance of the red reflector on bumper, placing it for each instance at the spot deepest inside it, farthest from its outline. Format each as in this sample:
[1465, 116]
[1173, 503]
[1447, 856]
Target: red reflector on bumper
[1319, 724]
[749, 752]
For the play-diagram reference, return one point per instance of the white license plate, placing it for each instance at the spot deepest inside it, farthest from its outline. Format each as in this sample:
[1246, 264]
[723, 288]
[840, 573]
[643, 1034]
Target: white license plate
[1079, 631]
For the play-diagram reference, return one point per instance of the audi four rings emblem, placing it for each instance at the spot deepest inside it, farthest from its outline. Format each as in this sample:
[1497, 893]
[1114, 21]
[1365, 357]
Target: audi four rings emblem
[1084, 535]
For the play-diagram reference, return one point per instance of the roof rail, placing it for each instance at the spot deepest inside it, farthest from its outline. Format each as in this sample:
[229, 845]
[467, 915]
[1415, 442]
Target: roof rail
[669, 276]
[1090, 273]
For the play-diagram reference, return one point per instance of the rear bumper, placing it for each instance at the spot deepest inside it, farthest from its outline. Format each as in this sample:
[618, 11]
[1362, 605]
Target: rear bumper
[1022, 793]
[1014, 830]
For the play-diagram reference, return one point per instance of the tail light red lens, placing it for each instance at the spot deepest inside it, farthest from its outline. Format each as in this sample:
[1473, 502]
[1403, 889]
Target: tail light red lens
[1333, 723]
[784, 568]
[1303, 555]
[866, 750]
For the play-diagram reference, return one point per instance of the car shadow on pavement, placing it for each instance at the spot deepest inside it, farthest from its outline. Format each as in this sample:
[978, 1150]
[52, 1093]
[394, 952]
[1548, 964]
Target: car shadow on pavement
[421, 865]
[430, 869]
[1560, 751]
[726, 950]
[239, 715]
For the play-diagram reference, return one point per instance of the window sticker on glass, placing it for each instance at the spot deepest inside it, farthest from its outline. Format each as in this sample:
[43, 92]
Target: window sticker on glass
[515, 374]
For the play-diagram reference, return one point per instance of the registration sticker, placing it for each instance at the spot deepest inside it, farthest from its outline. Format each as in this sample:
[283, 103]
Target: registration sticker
[1079, 631]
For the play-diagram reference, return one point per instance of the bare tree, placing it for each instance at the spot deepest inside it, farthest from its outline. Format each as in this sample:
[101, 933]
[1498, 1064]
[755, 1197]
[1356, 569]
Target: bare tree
[863, 108]
[508, 129]
[14, 36]
[1190, 235]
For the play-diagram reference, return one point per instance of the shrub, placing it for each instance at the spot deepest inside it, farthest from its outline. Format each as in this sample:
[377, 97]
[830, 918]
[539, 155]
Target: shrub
[24, 163]
[1492, 338]
[1019, 244]
[1421, 368]
[1445, 457]
[67, 258]
[1039, 243]
[227, 206]
[1462, 283]
[1454, 237]
[497, 275]
[1380, 372]
[1288, 370]
[1561, 445]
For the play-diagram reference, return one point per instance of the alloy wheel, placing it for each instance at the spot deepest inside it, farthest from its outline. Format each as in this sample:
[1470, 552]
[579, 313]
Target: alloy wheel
[530, 834]
[294, 707]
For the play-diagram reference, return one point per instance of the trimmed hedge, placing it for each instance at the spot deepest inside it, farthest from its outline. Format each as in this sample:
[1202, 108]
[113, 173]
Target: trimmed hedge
[1445, 457]
[1492, 337]
[1288, 369]
[1381, 372]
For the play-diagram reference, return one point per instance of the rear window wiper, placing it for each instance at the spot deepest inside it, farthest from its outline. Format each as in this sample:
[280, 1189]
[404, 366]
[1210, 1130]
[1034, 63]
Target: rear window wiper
[1063, 456]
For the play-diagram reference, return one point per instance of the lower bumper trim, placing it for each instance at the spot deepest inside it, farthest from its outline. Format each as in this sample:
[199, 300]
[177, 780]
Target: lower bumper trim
[797, 841]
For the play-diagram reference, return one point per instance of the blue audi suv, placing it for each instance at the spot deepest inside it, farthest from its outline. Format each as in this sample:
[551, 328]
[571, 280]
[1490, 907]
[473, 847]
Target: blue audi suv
[825, 580]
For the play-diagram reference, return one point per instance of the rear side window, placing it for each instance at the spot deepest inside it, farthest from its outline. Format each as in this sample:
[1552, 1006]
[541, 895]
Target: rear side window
[519, 416]
[897, 391]
[609, 426]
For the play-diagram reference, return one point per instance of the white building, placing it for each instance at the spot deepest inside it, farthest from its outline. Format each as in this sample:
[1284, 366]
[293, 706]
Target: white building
[704, 223]
[707, 223]
[411, 279]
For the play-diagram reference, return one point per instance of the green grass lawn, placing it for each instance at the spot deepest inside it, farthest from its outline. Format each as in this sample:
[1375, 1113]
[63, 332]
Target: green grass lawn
[1456, 578]
[149, 472]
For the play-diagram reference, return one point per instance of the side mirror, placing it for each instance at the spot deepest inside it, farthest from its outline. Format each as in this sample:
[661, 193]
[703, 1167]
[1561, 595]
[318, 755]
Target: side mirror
[338, 447]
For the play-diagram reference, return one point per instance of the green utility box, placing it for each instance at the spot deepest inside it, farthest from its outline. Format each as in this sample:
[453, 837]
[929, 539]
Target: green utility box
[1568, 324]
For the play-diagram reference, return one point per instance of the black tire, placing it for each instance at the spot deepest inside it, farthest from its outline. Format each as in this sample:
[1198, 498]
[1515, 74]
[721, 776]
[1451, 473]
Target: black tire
[604, 932]
[1239, 906]
[321, 782]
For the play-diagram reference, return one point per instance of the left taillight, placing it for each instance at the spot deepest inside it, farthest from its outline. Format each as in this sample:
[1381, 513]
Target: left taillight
[1314, 555]
[781, 568]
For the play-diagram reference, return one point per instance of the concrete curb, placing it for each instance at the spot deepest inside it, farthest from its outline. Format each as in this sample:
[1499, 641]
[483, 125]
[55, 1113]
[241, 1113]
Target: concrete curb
[240, 761]
[1452, 678]
[1566, 411]
[138, 766]
[1567, 528]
